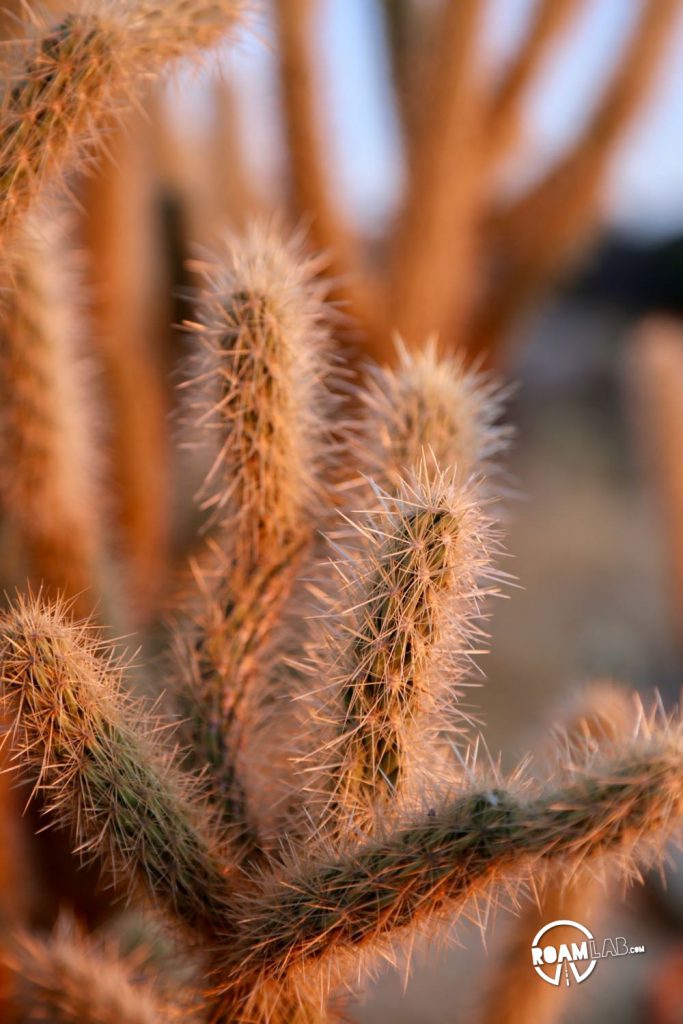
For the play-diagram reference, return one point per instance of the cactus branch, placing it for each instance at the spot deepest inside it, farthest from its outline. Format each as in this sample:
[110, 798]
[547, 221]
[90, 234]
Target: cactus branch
[548, 20]
[433, 233]
[102, 768]
[48, 466]
[78, 71]
[68, 978]
[414, 595]
[432, 404]
[543, 229]
[598, 717]
[259, 384]
[621, 805]
[310, 184]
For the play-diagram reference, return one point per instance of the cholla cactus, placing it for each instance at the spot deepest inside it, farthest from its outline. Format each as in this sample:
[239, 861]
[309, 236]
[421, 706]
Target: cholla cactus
[433, 402]
[274, 943]
[323, 915]
[259, 385]
[261, 390]
[88, 746]
[72, 75]
[272, 930]
[405, 626]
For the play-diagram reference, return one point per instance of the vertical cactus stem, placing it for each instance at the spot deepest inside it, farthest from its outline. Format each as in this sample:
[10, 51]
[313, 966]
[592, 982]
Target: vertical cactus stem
[622, 805]
[263, 339]
[49, 488]
[406, 630]
[65, 76]
[81, 69]
[100, 764]
[220, 659]
[259, 387]
[430, 403]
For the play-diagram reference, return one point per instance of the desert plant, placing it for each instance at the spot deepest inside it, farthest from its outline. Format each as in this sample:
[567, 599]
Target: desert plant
[48, 476]
[460, 257]
[67, 78]
[258, 390]
[277, 929]
[327, 798]
[69, 978]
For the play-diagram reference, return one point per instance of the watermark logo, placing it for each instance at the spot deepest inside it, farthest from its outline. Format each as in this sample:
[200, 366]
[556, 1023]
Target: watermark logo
[567, 949]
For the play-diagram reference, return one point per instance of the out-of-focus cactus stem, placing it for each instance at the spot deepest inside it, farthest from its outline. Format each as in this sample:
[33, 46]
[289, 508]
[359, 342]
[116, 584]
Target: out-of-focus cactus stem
[311, 185]
[541, 232]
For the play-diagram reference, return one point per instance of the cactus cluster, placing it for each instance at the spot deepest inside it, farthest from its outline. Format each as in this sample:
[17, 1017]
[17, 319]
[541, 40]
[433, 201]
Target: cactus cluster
[322, 798]
[377, 844]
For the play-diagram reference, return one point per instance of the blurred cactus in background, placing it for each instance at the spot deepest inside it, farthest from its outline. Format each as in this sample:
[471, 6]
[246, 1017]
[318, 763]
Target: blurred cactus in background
[288, 783]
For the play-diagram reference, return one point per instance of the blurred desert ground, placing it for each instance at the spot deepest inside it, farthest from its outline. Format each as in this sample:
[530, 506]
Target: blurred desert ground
[585, 531]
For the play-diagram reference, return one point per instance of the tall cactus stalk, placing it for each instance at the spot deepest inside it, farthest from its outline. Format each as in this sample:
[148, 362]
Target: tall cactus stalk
[48, 457]
[260, 391]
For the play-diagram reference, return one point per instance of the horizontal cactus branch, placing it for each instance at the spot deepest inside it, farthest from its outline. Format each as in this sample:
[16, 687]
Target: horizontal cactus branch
[406, 627]
[74, 74]
[624, 805]
[101, 767]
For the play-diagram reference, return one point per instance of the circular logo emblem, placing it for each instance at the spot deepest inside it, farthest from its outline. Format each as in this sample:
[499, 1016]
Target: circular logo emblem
[563, 949]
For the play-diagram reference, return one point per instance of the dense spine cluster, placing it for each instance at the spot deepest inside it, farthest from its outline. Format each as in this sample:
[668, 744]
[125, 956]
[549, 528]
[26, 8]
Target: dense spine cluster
[71, 76]
[430, 404]
[259, 386]
[403, 631]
